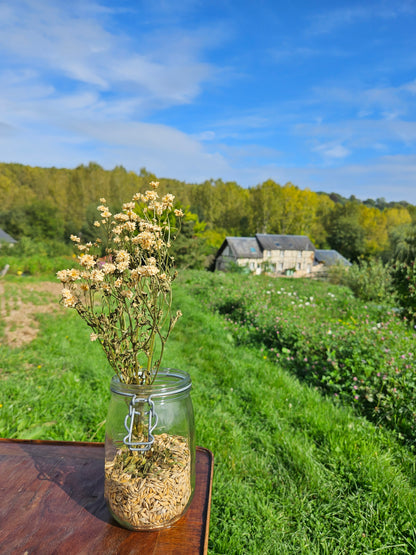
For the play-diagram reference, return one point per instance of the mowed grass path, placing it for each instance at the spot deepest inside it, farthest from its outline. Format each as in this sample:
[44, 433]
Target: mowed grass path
[294, 474]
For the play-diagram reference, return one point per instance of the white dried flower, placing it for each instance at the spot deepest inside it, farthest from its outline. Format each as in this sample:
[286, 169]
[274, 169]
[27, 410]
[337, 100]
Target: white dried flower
[148, 270]
[109, 268]
[68, 298]
[121, 217]
[97, 275]
[87, 260]
[62, 275]
[129, 206]
[151, 196]
[168, 200]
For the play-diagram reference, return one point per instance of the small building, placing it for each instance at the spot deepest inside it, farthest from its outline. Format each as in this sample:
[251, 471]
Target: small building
[328, 257]
[6, 238]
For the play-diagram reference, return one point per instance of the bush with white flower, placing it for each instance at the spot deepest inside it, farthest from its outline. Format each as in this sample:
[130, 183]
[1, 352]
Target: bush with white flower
[125, 296]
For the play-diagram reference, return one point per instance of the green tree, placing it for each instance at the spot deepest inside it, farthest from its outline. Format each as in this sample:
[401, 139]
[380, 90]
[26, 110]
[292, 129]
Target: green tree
[403, 243]
[345, 233]
[232, 211]
[190, 249]
[403, 240]
[38, 220]
[265, 202]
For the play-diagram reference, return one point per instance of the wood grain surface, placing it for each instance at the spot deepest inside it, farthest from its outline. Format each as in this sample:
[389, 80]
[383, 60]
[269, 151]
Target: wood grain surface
[52, 502]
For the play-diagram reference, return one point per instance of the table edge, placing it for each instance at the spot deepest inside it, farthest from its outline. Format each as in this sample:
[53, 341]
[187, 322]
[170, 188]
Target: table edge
[81, 444]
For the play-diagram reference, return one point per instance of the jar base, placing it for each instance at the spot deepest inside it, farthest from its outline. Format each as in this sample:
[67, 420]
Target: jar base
[151, 490]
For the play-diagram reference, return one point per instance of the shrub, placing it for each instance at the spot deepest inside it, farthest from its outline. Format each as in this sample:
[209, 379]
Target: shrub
[337, 274]
[370, 280]
[36, 257]
[404, 279]
[50, 247]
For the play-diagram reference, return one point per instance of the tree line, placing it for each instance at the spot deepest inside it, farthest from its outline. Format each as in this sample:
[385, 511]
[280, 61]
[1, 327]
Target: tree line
[53, 203]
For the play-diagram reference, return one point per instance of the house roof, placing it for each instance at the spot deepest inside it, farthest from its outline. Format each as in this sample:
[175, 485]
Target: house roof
[284, 242]
[331, 257]
[6, 237]
[243, 247]
[253, 247]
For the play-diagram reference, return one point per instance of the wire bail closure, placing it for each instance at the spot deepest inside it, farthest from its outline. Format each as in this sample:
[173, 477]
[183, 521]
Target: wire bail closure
[141, 446]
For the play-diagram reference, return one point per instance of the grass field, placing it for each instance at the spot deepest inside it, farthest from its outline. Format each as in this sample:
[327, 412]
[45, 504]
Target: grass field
[296, 472]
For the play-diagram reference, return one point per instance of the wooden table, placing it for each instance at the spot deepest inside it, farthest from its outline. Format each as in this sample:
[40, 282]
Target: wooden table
[52, 501]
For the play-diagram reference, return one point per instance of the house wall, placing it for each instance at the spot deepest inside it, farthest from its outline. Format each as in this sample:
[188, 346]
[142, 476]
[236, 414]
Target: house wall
[224, 261]
[299, 261]
[273, 262]
[253, 263]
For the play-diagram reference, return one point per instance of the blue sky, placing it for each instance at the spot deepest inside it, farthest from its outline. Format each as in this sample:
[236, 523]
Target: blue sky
[321, 94]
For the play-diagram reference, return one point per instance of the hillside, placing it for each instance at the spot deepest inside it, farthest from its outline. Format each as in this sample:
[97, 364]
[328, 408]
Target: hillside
[52, 203]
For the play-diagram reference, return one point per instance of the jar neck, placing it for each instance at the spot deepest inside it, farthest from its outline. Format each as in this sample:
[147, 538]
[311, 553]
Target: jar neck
[169, 381]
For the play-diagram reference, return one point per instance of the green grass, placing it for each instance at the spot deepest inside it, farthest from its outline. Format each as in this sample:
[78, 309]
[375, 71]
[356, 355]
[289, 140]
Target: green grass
[295, 473]
[360, 354]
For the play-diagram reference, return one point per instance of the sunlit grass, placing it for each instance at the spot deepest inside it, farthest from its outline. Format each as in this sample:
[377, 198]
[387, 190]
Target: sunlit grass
[294, 473]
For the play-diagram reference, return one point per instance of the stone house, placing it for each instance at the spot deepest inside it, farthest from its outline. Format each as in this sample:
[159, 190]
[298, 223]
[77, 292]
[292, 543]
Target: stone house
[275, 254]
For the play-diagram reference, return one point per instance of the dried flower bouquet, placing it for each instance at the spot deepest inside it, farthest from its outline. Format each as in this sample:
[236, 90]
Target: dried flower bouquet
[123, 291]
[125, 296]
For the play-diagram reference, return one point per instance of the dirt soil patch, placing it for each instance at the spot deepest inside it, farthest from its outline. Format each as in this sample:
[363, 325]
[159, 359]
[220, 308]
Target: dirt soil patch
[18, 313]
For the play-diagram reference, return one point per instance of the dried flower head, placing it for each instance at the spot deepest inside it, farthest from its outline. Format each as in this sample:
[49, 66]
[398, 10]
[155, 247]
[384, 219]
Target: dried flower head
[125, 296]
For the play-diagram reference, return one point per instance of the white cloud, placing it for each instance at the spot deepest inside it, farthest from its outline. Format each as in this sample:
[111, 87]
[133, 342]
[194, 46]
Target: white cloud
[410, 87]
[245, 155]
[358, 135]
[74, 88]
[57, 41]
[332, 151]
[161, 149]
[391, 177]
[376, 101]
[331, 20]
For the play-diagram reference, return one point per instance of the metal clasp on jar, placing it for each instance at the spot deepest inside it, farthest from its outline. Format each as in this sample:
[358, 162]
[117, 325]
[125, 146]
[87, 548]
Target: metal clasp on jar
[141, 446]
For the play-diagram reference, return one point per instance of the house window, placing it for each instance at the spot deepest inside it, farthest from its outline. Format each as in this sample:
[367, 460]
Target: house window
[298, 266]
[280, 266]
[268, 253]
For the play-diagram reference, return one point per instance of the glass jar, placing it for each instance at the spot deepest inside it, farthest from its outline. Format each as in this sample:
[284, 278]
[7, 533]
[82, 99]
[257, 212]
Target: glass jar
[150, 451]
